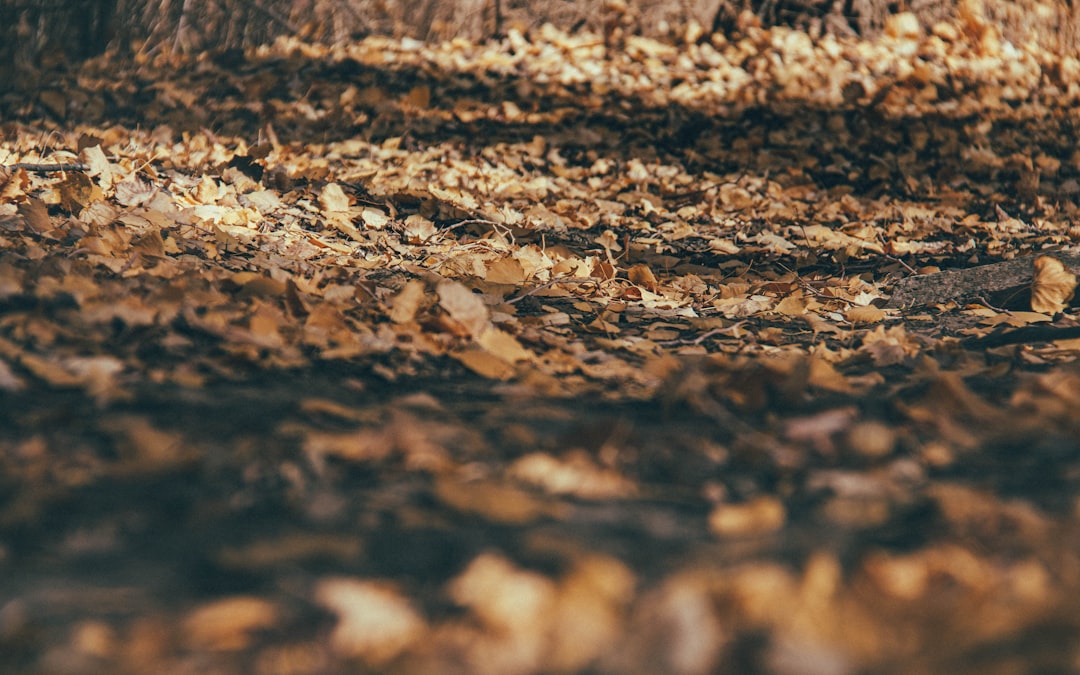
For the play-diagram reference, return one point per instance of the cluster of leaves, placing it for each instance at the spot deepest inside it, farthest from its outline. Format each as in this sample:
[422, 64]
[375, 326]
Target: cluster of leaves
[710, 234]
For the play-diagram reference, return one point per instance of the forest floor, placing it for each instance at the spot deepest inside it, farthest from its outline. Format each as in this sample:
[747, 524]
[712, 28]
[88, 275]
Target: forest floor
[539, 356]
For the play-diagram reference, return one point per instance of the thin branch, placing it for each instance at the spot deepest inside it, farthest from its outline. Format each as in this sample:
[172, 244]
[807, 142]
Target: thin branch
[553, 282]
[45, 168]
[274, 15]
[732, 330]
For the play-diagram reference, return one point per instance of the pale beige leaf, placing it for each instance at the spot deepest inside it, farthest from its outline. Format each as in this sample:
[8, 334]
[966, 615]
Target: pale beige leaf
[484, 363]
[375, 623]
[418, 229]
[407, 302]
[505, 271]
[575, 475]
[375, 219]
[463, 306]
[503, 345]
[333, 198]
[1052, 285]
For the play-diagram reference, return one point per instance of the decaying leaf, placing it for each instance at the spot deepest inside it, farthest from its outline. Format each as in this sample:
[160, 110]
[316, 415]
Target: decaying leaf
[1052, 286]
[572, 336]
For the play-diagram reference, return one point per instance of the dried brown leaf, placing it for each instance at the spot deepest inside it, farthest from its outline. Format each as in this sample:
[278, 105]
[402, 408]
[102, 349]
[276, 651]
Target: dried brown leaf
[641, 275]
[227, 624]
[464, 307]
[36, 215]
[375, 621]
[407, 301]
[333, 199]
[864, 314]
[1052, 286]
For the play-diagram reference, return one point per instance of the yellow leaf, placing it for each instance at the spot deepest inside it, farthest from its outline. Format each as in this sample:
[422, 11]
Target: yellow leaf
[864, 314]
[1052, 285]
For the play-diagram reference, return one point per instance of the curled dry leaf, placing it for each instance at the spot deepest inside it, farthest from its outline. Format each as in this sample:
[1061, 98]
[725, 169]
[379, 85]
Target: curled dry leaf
[1052, 286]
[75, 192]
[133, 191]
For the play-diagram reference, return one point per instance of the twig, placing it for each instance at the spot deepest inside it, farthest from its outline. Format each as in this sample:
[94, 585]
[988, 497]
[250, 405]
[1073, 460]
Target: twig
[733, 330]
[1024, 335]
[980, 299]
[46, 168]
[470, 221]
[909, 268]
[553, 282]
[805, 285]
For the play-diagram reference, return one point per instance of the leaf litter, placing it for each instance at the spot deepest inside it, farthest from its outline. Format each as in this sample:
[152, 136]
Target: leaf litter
[535, 356]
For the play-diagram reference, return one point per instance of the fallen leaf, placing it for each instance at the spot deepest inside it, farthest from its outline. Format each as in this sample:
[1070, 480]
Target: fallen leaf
[641, 275]
[1052, 286]
[463, 306]
[761, 515]
[576, 475]
[333, 199]
[494, 501]
[227, 624]
[374, 621]
[864, 314]
[407, 301]
[36, 215]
